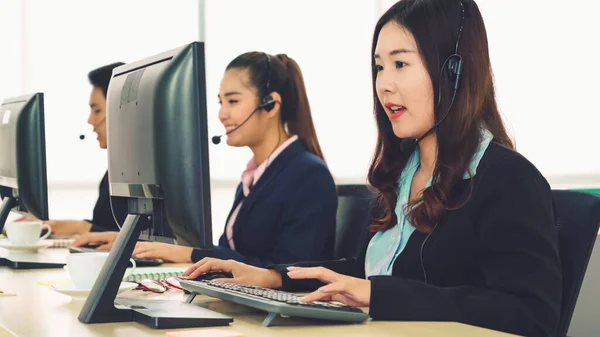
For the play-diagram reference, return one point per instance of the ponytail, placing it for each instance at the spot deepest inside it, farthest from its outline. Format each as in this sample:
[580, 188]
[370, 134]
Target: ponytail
[298, 117]
[282, 74]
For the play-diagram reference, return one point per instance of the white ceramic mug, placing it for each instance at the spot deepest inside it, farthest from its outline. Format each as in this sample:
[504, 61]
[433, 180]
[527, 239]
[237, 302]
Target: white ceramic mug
[84, 268]
[26, 232]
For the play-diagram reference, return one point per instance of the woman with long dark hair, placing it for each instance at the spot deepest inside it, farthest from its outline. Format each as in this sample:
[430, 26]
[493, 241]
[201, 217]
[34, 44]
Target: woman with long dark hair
[465, 230]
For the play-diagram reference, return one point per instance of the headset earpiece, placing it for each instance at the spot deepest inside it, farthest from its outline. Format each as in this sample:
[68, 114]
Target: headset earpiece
[455, 61]
[455, 68]
[267, 103]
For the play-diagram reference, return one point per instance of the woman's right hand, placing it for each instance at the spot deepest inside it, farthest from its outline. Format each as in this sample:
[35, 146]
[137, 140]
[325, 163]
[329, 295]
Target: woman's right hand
[242, 273]
[104, 240]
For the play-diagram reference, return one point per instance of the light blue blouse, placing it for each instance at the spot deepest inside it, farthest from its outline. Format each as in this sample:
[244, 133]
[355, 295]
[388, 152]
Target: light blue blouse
[385, 246]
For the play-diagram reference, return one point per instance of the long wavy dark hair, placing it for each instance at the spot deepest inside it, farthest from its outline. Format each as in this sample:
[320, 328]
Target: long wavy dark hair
[434, 25]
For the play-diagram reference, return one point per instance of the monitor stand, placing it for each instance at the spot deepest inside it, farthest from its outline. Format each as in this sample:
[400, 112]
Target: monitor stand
[8, 203]
[100, 307]
[171, 314]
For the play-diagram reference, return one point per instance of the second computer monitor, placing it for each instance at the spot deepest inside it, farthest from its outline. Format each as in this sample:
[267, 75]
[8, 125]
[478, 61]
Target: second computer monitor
[23, 156]
[157, 139]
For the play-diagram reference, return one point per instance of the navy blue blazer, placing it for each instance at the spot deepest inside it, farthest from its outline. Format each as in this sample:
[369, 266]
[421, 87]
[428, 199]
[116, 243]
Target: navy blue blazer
[288, 216]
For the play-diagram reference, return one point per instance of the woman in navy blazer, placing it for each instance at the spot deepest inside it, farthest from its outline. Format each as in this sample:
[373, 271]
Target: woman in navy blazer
[285, 207]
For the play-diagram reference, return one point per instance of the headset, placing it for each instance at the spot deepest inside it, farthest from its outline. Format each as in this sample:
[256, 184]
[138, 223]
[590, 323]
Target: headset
[454, 64]
[266, 103]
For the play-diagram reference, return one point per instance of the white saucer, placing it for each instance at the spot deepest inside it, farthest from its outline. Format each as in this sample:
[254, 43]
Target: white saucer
[81, 294]
[24, 248]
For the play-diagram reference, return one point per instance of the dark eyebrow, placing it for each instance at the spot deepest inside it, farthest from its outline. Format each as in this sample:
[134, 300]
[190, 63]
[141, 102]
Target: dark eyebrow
[396, 52]
[93, 105]
[231, 93]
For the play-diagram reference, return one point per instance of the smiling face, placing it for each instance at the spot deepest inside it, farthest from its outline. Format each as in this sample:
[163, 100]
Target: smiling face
[403, 85]
[238, 100]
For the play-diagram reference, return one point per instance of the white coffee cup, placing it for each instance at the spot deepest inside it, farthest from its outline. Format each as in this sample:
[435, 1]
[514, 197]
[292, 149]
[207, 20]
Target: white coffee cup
[26, 232]
[84, 268]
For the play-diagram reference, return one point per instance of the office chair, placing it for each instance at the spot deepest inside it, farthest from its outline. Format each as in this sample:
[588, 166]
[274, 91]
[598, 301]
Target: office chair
[355, 204]
[577, 221]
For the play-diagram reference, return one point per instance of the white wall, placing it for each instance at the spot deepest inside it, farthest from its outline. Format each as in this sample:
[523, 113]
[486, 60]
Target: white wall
[547, 74]
[11, 81]
[65, 39]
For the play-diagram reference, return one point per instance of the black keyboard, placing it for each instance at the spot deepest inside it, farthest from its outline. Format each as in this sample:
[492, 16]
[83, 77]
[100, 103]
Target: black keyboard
[275, 302]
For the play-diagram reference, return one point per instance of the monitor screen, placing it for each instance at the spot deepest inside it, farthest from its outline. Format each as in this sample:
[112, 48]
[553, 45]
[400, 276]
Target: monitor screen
[9, 113]
[23, 155]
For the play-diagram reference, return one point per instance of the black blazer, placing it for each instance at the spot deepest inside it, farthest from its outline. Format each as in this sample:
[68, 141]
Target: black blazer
[492, 263]
[289, 215]
[103, 219]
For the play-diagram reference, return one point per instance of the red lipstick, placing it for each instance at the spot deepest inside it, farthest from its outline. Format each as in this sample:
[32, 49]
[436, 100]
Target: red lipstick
[394, 110]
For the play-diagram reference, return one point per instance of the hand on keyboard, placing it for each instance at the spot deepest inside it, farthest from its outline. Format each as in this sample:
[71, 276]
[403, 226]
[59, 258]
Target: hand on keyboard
[163, 251]
[104, 240]
[352, 291]
[275, 295]
[275, 301]
[242, 273]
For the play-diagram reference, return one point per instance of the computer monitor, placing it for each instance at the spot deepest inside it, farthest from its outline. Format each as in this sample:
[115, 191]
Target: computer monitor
[23, 157]
[157, 132]
[158, 159]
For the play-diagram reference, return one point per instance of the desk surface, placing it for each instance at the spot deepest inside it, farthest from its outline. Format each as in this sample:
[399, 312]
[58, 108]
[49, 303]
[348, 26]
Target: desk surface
[39, 311]
[5, 333]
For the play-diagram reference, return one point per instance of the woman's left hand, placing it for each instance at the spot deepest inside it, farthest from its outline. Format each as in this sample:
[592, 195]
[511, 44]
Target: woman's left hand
[351, 291]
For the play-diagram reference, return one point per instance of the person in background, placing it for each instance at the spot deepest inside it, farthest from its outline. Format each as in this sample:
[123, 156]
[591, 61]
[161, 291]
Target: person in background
[465, 229]
[103, 219]
[285, 206]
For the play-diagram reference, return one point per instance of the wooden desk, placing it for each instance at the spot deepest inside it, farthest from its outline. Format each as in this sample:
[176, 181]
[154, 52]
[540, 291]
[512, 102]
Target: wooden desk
[38, 311]
[5, 333]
